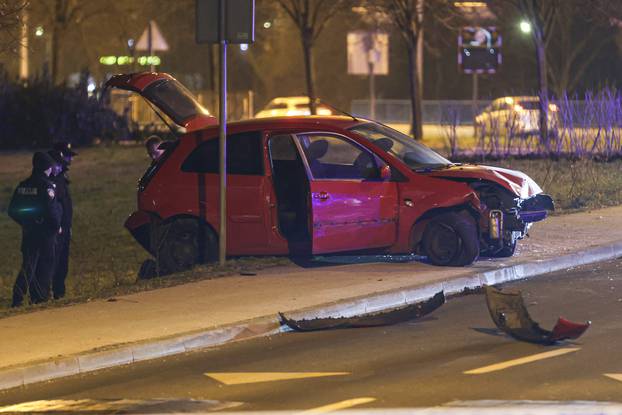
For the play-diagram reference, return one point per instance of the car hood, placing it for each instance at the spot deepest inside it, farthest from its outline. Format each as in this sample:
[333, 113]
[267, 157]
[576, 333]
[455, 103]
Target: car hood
[517, 182]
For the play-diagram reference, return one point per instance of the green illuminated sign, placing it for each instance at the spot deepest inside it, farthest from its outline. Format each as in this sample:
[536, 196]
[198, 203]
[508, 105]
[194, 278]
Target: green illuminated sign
[127, 60]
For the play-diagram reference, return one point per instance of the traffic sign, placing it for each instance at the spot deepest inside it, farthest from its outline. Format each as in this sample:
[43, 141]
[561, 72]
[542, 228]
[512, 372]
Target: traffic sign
[158, 43]
[366, 51]
[239, 21]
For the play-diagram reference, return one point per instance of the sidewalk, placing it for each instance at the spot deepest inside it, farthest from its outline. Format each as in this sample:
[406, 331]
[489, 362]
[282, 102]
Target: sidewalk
[69, 340]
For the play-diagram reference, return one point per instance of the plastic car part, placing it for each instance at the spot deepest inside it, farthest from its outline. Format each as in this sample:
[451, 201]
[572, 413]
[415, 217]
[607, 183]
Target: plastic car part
[537, 202]
[509, 313]
[384, 318]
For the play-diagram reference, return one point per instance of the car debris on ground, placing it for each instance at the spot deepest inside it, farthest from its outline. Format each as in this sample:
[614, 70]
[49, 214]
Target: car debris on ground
[383, 318]
[510, 315]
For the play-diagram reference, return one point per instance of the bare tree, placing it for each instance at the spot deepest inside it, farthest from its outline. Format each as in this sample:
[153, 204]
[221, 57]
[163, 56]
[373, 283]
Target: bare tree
[541, 15]
[10, 23]
[310, 18]
[63, 15]
[409, 17]
[574, 44]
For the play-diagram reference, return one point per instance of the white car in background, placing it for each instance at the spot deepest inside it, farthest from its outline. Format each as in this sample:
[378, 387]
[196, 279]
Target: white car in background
[515, 116]
[291, 106]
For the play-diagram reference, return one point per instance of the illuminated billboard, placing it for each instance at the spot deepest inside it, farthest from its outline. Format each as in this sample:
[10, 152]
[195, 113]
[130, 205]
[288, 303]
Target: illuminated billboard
[479, 49]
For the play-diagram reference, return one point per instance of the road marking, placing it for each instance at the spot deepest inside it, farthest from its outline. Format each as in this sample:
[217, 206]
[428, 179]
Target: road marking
[349, 403]
[113, 406]
[239, 378]
[614, 376]
[521, 361]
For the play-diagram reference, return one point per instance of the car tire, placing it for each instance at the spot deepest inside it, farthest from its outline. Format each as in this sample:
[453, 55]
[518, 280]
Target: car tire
[184, 244]
[451, 239]
[148, 270]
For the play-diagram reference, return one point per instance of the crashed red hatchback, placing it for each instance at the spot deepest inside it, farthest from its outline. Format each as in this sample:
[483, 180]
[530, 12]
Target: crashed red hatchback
[318, 185]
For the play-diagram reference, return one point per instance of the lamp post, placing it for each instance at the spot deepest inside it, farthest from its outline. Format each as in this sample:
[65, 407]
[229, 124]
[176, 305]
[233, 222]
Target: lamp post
[525, 26]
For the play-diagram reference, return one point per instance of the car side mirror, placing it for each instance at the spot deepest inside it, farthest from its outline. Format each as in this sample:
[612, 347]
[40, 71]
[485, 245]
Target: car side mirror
[385, 172]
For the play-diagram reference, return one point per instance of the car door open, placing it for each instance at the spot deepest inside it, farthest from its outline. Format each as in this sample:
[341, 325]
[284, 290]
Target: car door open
[352, 206]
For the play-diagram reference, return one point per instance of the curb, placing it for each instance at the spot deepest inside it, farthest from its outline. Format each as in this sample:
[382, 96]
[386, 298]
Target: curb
[269, 325]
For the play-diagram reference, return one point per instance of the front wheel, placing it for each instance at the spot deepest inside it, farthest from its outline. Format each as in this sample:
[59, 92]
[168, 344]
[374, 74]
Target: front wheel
[451, 239]
[185, 243]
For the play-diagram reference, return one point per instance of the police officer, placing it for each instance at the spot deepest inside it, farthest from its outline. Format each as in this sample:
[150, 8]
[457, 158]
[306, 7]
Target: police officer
[63, 154]
[35, 208]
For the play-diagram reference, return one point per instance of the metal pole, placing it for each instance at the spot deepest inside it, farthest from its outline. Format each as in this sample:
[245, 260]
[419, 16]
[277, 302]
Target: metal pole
[475, 93]
[23, 49]
[222, 246]
[150, 45]
[372, 91]
[475, 98]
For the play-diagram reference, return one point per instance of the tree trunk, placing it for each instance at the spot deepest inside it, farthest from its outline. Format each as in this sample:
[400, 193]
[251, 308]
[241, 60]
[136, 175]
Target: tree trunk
[53, 54]
[544, 93]
[416, 129]
[307, 46]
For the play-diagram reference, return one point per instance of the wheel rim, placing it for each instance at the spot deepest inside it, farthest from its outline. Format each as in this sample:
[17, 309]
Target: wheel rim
[184, 250]
[445, 244]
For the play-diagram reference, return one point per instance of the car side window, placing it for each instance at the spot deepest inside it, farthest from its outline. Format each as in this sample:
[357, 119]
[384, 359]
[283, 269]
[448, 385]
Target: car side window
[331, 157]
[244, 155]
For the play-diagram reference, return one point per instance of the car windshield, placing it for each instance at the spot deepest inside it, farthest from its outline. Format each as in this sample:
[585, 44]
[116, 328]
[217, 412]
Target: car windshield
[415, 155]
[529, 105]
[276, 106]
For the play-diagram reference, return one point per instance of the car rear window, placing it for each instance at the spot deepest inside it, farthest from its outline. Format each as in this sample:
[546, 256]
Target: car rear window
[244, 155]
[174, 99]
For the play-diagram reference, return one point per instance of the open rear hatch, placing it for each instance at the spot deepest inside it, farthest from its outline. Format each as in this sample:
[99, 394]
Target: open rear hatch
[169, 96]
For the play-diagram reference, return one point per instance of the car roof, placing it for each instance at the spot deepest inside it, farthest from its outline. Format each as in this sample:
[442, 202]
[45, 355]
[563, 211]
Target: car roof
[309, 121]
[291, 100]
[519, 98]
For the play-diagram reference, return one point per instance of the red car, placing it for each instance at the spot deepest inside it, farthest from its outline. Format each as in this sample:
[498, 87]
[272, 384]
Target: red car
[318, 185]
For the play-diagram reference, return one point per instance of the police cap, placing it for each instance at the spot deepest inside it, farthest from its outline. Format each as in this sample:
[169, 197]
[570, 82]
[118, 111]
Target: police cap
[64, 147]
[42, 161]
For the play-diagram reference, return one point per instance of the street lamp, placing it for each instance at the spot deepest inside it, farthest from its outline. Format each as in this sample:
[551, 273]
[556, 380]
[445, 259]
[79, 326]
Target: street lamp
[525, 26]
[39, 31]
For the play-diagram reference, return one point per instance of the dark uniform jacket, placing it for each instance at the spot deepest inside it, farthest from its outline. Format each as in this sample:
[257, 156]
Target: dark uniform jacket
[64, 198]
[35, 208]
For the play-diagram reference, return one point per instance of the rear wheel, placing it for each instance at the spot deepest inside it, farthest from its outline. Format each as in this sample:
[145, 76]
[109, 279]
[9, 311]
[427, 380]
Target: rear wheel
[451, 239]
[148, 269]
[185, 243]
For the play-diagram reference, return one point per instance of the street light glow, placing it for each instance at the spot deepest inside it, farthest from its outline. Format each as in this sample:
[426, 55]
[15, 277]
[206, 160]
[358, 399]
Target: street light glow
[267, 25]
[243, 47]
[39, 31]
[525, 26]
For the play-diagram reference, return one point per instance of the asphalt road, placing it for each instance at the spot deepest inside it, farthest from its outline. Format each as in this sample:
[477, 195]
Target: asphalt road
[415, 364]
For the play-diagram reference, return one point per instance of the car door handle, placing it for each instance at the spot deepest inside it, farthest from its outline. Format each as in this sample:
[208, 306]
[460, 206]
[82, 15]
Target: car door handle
[321, 196]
